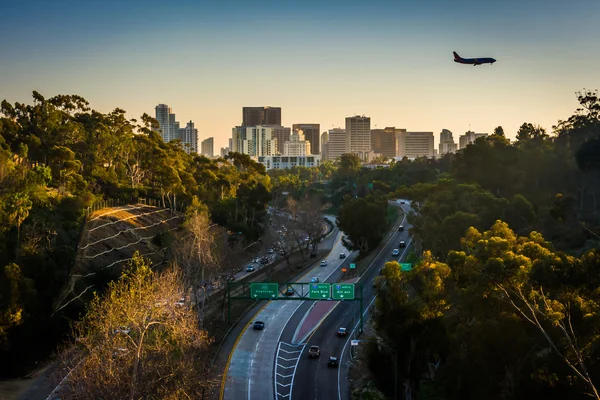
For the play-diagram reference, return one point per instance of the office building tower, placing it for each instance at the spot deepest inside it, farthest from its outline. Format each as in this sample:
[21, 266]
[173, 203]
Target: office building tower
[282, 134]
[254, 141]
[324, 145]
[312, 133]
[416, 144]
[208, 147]
[358, 136]
[168, 126]
[224, 151]
[383, 141]
[255, 116]
[468, 138]
[297, 145]
[336, 146]
[189, 138]
[446, 144]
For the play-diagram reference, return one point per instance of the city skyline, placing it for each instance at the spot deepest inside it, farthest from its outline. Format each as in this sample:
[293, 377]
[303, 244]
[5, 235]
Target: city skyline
[403, 64]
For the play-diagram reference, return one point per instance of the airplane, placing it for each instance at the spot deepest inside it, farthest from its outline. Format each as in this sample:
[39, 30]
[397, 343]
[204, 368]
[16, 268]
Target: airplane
[474, 61]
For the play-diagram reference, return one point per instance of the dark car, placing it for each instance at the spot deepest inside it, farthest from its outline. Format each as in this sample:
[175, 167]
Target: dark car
[265, 260]
[342, 255]
[401, 228]
[289, 291]
[402, 244]
[250, 268]
[333, 362]
[259, 325]
[342, 332]
[314, 352]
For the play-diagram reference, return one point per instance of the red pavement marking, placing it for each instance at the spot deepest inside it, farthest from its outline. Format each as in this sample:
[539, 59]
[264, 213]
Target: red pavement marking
[314, 316]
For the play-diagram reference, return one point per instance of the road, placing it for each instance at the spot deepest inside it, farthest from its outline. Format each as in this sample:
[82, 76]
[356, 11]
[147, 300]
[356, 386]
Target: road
[273, 363]
[250, 370]
[313, 379]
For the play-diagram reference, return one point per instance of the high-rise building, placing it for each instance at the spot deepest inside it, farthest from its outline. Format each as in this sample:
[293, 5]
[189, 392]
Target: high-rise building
[324, 145]
[468, 138]
[416, 144]
[312, 133]
[255, 116]
[297, 145]
[254, 141]
[168, 127]
[224, 151]
[189, 138]
[383, 141]
[358, 136]
[208, 147]
[282, 134]
[447, 144]
[336, 146]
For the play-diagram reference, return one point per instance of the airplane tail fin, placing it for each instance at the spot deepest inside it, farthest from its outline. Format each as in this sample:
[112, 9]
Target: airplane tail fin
[456, 56]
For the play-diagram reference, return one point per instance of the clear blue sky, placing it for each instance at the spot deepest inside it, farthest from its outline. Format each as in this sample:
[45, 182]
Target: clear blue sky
[319, 60]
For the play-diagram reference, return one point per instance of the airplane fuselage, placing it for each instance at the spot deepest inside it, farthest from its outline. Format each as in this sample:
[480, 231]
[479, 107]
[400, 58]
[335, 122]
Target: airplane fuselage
[473, 61]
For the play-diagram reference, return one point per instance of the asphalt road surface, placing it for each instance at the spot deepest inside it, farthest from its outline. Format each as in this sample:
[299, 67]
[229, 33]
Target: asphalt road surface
[273, 364]
[313, 379]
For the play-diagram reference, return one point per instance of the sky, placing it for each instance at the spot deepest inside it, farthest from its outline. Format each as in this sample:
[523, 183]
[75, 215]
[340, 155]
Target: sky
[320, 61]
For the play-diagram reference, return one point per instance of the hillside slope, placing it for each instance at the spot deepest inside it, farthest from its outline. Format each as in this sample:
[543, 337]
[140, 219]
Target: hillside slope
[109, 239]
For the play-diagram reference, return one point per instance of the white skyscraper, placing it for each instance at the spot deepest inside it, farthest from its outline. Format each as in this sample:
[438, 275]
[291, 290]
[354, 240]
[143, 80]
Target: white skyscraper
[416, 144]
[446, 144]
[189, 138]
[169, 129]
[253, 140]
[336, 146]
[297, 145]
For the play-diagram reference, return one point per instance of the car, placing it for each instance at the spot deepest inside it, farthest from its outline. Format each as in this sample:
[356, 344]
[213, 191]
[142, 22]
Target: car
[402, 244]
[256, 260]
[396, 252]
[401, 228]
[250, 268]
[259, 325]
[314, 279]
[342, 255]
[323, 263]
[402, 202]
[333, 362]
[265, 260]
[342, 332]
[289, 291]
[314, 352]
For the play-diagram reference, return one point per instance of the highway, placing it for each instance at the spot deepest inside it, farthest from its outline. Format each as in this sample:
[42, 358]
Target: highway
[250, 373]
[313, 379]
[273, 363]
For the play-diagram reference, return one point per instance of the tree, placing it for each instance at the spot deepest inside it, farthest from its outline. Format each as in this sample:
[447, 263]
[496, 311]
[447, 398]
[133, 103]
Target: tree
[364, 222]
[196, 253]
[18, 207]
[140, 340]
[499, 131]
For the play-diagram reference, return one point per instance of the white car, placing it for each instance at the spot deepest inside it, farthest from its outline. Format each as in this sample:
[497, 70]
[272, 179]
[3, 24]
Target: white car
[314, 280]
[323, 263]
[396, 252]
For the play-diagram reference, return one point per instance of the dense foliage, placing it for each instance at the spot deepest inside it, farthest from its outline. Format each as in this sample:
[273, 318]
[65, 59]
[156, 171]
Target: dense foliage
[58, 156]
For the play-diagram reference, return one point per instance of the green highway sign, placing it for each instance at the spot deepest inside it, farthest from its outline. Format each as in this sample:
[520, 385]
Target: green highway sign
[319, 291]
[264, 290]
[342, 291]
[352, 266]
[405, 267]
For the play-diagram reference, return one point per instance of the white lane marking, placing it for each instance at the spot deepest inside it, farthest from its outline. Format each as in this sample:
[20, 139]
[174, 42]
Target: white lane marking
[289, 352]
[283, 376]
[355, 326]
[281, 366]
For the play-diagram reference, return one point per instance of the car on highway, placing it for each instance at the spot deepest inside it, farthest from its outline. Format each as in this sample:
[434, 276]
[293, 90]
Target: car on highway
[264, 260]
[323, 263]
[396, 252]
[314, 279]
[333, 362]
[289, 291]
[401, 228]
[250, 268]
[314, 352]
[259, 325]
[342, 332]
[256, 260]
[402, 244]
[342, 255]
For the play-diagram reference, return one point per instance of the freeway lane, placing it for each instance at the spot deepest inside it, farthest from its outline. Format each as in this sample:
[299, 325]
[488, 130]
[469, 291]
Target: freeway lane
[250, 374]
[313, 379]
